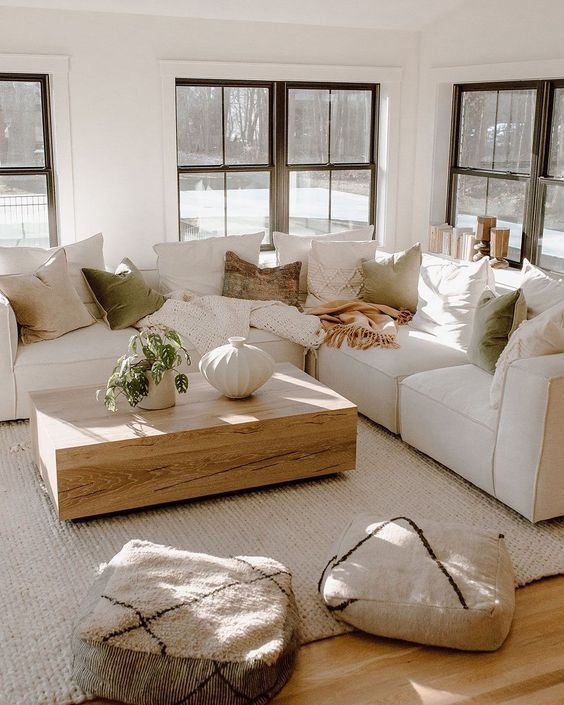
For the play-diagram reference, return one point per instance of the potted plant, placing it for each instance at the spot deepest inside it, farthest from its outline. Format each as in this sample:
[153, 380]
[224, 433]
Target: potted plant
[145, 375]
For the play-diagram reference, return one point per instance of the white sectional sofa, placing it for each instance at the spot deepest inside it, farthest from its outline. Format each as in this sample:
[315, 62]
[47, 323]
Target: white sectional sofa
[425, 391]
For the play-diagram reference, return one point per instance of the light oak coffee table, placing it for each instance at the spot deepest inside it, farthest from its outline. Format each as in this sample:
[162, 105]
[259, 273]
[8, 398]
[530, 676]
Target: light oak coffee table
[95, 462]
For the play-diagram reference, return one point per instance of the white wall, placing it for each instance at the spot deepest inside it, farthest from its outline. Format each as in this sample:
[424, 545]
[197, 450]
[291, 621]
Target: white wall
[115, 103]
[482, 41]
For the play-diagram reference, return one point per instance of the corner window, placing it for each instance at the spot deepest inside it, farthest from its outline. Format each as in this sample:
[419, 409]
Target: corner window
[507, 161]
[27, 194]
[274, 156]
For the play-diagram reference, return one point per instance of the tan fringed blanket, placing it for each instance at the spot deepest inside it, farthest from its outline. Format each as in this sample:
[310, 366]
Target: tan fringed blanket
[361, 324]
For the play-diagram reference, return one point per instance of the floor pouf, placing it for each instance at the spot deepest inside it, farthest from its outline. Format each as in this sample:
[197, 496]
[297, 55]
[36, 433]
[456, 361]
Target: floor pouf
[163, 626]
[429, 582]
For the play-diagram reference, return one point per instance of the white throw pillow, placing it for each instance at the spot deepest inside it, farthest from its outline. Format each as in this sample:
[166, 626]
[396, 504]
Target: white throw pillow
[541, 335]
[335, 270]
[541, 290]
[447, 299]
[84, 253]
[198, 265]
[296, 248]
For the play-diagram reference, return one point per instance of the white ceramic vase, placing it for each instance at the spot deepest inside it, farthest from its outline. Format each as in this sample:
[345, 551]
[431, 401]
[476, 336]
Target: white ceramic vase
[162, 395]
[237, 369]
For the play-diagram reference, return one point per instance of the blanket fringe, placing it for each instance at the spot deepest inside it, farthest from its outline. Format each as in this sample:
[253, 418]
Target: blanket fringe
[358, 337]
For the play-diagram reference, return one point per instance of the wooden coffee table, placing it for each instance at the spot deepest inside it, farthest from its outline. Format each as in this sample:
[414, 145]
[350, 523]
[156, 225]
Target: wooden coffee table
[95, 462]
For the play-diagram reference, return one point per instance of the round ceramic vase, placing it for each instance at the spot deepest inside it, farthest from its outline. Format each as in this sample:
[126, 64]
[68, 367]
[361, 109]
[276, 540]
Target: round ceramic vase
[162, 395]
[237, 369]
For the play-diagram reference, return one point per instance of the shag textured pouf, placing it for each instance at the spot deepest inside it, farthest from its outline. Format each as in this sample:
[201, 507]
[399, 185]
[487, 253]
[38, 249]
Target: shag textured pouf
[429, 582]
[164, 626]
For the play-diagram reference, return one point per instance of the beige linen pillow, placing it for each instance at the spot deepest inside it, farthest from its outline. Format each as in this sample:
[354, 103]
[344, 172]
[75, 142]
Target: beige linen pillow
[541, 335]
[45, 303]
[392, 279]
[335, 270]
[198, 265]
[541, 290]
[431, 582]
[296, 248]
[84, 253]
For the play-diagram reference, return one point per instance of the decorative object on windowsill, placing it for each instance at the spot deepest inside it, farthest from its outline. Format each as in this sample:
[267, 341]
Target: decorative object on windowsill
[145, 374]
[499, 247]
[237, 369]
[484, 225]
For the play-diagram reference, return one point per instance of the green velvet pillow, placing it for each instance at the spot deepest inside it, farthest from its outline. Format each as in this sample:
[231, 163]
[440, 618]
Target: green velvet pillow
[495, 319]
[123, 297]
[392, 280]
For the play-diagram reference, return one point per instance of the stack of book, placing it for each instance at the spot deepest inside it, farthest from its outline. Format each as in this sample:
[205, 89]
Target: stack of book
[453, 242]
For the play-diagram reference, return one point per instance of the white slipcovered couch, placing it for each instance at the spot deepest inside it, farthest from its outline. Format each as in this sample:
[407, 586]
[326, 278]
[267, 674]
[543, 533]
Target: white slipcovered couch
[425, 391]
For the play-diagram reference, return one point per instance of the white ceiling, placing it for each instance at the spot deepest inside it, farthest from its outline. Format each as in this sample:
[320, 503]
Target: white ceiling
[375, 14]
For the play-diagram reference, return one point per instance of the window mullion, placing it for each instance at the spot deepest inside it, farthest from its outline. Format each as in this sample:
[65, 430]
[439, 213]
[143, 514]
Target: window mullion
[541, 134]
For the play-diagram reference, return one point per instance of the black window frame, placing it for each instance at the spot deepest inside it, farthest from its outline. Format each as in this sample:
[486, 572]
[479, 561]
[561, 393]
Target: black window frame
[278, 165]
[537, 178]
[47, 169]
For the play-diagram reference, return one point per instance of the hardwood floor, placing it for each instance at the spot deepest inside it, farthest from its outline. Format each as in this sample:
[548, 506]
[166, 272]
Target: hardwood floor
[357, 669]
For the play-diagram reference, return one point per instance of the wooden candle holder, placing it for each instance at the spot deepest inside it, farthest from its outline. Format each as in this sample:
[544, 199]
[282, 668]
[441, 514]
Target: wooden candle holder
[499, 246]
[483, 228]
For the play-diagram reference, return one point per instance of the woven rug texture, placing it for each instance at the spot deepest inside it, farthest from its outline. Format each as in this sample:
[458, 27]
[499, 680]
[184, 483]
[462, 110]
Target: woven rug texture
[46, 566]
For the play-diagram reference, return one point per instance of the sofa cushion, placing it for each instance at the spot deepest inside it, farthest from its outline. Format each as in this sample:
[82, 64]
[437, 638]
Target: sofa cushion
[244, 280]
[448, 296]
[370, 378]
[84, 253]
[292, 248]
[198, 265]
[436, 583]
[335, 270]
[393, 279]
[45, 302]
[541, 290]
[123, 297]
[446, 414]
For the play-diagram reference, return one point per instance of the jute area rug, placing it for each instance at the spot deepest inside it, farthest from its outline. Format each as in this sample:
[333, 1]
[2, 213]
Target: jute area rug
[46, 566]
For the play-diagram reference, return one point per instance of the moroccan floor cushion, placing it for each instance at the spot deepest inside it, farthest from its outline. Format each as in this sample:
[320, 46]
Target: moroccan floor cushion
[433, 583]
[163, 626]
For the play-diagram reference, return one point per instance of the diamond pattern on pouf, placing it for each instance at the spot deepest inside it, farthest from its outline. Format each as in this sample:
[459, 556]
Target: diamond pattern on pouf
[168, 627]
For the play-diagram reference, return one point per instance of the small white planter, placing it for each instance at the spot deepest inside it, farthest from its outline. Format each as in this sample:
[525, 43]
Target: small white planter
[237, 369]
[162, 395]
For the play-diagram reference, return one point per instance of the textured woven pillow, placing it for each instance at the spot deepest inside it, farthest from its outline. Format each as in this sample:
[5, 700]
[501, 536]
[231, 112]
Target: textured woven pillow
[45, 303]
[163, 626]
[541, 335]
[495, 320]
[84, 253]
[291, 248]
[433, 583]
[123, 297]
[335, 270]
[244, 280]
[392, 279]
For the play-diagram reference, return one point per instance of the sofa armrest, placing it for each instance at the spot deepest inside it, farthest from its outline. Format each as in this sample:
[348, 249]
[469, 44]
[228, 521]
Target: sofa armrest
[8, 352]
[528, 464]
[8, 335]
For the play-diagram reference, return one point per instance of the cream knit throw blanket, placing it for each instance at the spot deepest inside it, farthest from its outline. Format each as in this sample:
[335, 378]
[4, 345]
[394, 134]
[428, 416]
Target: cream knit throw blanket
[208, 321]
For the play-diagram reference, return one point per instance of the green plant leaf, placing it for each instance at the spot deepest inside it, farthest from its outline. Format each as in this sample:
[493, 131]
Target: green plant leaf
[174, 336]
[157, 371]
[168, 356]
[181, 383]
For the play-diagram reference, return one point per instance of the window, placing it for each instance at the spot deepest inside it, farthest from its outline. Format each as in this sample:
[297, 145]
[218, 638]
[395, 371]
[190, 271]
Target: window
[27, 195]
[274, 156]
[507, 160]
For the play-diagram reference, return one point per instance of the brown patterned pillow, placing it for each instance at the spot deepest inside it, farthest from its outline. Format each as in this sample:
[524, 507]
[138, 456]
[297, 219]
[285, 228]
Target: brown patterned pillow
[244, 280]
